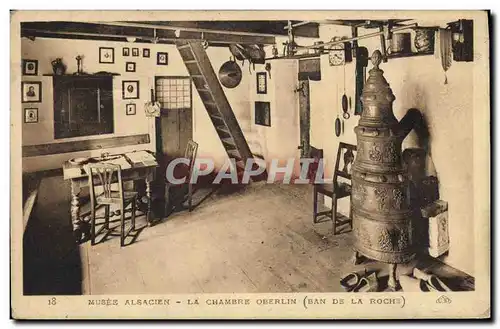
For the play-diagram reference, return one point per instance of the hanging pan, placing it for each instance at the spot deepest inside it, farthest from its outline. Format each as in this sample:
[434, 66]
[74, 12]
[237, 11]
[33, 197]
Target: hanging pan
[345, 107]
[337, 126]
[230, 74]
[345, 103]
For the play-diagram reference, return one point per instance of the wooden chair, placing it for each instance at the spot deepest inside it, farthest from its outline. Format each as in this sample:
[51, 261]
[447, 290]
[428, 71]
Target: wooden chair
[106, 176]
[336, 190]
[190, 155]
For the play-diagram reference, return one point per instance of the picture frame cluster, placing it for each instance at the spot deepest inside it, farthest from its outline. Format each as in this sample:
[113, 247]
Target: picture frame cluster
[161, 56]
[31, 91]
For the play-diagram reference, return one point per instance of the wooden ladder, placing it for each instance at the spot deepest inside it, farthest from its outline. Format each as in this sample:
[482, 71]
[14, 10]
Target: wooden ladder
[213, 97]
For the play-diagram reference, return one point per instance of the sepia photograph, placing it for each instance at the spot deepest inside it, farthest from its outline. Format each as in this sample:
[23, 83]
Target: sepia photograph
[30, 67]
[274, 164]
[131, 109]
[32, 91]
[30, 115]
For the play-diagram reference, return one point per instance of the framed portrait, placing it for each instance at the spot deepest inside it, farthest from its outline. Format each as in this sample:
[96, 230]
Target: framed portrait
[145, 52]
[261, 83]
[126, 51]
[263, 113]
[129, 67]
[31, 91]
[30, 67]
[161, 58]
[106, 55]
[130, 109]
[130, 89]
[135, 52]
[31, 115]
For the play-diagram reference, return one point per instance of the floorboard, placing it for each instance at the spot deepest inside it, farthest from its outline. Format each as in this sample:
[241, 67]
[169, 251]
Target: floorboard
[258, 240]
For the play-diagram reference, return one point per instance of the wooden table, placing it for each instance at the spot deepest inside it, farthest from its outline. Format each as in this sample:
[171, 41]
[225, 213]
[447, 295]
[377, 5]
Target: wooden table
[79, 179]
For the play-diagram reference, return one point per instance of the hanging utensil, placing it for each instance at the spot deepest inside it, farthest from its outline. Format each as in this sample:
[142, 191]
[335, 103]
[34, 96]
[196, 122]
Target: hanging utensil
[337, 121]
[345, 108]
[445, 46]
[230, 74]
[345, 103]
[337, 126]
[152, 108]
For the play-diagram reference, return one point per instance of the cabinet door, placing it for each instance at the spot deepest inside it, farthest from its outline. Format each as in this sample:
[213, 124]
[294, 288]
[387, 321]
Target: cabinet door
[84, 103]
[82, 106]
[105, 96]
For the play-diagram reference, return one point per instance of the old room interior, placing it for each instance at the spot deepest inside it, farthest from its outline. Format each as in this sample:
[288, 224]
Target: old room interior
[383, 107]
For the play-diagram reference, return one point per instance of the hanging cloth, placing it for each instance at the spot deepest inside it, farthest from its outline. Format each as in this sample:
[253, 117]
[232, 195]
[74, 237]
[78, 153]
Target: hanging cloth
[445, 48]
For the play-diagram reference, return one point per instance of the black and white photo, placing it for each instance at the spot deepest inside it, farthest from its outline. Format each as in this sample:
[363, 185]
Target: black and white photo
[31, 91]
[130, 89]
[30, 115]
[162, 58]
[130, 109]
[130, 66]
[30, 67]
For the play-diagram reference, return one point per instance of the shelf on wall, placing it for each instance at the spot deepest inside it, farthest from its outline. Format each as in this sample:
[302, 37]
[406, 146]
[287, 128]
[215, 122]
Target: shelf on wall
[296, 56]
[426, 53]
[83, 74]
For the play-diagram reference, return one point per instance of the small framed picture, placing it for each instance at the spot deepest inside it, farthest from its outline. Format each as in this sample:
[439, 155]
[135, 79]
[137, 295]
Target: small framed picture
[126, 52]
[135, 52]
[130, 89]
[106, 55]
[30, 115]
[31, 91]
[30, 67]
[261, 83]
[145, 52]
[263, 113]
[130, 67]
[161, 58]
[130, 109]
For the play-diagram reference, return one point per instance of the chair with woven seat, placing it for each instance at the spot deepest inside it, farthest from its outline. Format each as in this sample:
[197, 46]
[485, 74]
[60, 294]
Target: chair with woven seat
[336, 190]
[108, 177]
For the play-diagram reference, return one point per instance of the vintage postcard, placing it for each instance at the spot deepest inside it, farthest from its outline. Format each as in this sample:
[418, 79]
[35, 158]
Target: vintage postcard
[242, 165]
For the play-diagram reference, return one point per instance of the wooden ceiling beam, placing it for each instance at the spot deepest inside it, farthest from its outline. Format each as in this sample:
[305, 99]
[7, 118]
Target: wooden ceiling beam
[120, 33]
[257, 28]
[72, 36]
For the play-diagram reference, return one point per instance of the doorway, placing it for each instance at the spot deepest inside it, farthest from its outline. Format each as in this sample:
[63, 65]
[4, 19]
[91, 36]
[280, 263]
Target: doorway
[304, 118]
[309, 70]
[174, 127]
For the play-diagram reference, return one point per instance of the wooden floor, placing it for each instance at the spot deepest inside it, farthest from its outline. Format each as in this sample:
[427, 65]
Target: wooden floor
[261, 239]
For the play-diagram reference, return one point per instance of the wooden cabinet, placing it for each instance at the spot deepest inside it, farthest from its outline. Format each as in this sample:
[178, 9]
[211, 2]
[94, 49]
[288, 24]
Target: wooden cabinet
[83, 105]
